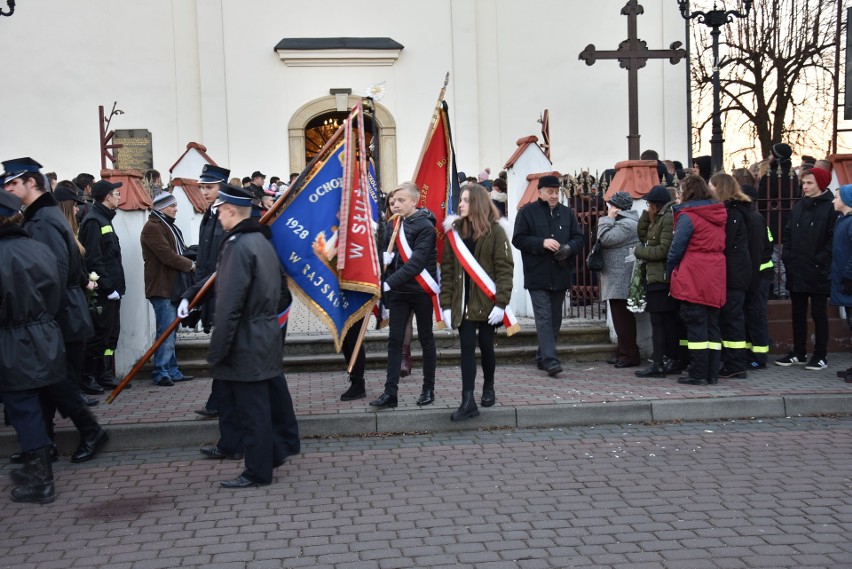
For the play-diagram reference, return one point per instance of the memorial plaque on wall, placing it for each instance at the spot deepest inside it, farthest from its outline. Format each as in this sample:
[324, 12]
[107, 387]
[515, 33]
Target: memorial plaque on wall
[136, 153]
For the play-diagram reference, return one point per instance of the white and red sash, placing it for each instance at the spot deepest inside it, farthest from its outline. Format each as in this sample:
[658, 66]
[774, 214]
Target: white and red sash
[478, 275]
[424, 279]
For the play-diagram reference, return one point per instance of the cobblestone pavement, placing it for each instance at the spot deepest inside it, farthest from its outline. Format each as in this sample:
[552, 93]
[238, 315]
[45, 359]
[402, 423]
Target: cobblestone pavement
[318, 393]
[735, 494]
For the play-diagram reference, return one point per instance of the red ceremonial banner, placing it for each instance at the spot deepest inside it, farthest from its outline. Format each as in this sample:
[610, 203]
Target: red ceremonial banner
[358, 261]
[433, 175]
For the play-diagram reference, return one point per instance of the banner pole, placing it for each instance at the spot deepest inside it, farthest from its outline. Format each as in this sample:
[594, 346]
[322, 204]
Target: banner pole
[433, 123]
[366, 321]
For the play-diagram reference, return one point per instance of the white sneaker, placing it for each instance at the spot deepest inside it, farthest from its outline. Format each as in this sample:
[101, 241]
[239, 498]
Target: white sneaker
[817, 364]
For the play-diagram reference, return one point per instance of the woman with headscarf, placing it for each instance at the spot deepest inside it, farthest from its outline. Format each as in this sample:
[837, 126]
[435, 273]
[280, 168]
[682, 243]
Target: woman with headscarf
[617, 236]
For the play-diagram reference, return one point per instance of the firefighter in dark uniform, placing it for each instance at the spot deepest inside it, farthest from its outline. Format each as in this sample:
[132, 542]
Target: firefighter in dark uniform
[210, 238]
[32, 354]
[245, 347]
[103, 256]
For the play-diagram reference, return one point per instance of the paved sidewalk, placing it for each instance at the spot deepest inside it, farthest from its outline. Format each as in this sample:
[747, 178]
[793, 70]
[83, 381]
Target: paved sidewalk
[723, 494]
[585, 393]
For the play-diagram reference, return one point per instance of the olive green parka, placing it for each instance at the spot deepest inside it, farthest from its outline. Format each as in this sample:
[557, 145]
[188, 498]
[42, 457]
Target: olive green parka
[494, 254]
[656, 239]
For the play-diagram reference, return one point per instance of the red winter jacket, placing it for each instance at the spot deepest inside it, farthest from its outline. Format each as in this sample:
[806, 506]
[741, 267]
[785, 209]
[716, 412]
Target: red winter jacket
[700, 275]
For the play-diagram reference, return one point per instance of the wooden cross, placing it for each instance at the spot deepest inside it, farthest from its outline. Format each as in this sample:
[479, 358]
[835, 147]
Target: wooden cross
[632, 54]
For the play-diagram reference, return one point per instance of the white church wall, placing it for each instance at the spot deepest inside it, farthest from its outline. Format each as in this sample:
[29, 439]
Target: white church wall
[531, 161]
[137, 318]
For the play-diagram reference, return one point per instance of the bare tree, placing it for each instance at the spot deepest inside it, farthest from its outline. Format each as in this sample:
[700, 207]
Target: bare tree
[776, 80]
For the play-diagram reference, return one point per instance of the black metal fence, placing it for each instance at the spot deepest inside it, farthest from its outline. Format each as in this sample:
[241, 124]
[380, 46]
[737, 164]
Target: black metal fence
[584, 194]
[777, 192]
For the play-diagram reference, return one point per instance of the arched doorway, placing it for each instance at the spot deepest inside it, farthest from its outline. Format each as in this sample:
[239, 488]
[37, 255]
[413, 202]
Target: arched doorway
[315, 114]
[322, 127]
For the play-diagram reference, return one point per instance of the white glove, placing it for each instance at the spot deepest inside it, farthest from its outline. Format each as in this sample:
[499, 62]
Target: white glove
[447, 317]
[496, 316]
[385, 287]
[114, 295]
[387, 258]
[183, 308]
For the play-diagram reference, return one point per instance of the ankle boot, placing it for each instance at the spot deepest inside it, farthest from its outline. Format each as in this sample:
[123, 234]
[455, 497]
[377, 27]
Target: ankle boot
[92, 436]
[488, 395]
[467, 409]
[405, 368]
[106, 377]
[671, 366]
[357, 389]
[18, 457]
[656, 370]
[39, 487]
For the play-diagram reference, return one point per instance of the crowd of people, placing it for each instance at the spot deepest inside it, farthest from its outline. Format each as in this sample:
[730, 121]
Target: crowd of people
[699, 257]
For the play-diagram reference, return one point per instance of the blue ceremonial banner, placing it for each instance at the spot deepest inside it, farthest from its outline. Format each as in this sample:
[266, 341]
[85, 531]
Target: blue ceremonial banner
[373, 189]
[305, 237]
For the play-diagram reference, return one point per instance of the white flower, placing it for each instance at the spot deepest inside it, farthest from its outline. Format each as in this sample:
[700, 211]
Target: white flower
[376, 91]
[93, 276]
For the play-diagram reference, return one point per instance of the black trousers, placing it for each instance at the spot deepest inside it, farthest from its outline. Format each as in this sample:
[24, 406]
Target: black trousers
[757, 325]
[107, 326]
[704, 339]
[468, 332]
[65, 395]
[271, 431]
[24, 412]
[349, 341]
[733, 328]
[231, 429]
[819, 313]
[401, 306]
[665, 335]
[285, 427]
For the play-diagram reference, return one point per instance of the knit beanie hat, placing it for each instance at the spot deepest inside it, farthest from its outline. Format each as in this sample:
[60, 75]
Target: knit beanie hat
[782, 151]
[846, 195]
[164, 200]
[822, 177]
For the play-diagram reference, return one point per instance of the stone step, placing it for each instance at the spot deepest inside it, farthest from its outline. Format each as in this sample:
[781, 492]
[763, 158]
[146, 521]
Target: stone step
[446, 357]
[189, 348]
[302, 353]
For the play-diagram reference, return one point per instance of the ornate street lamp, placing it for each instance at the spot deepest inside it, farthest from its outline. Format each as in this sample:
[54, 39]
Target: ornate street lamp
[11, 5]
[715, 19]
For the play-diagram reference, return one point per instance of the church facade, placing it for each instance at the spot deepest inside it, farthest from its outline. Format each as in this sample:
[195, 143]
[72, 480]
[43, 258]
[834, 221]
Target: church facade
[261, 82]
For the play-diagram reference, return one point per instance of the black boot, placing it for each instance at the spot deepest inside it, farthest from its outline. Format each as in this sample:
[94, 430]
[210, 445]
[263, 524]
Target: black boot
[427, 396]
[89, 445]
[18, 457]
[107, 377]
[405, 367]
[92, 436]
[671, 366]
[89, 385]
[467, 409]
[357, 389]
[488, 395]
[38, 488]
[656, 370]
